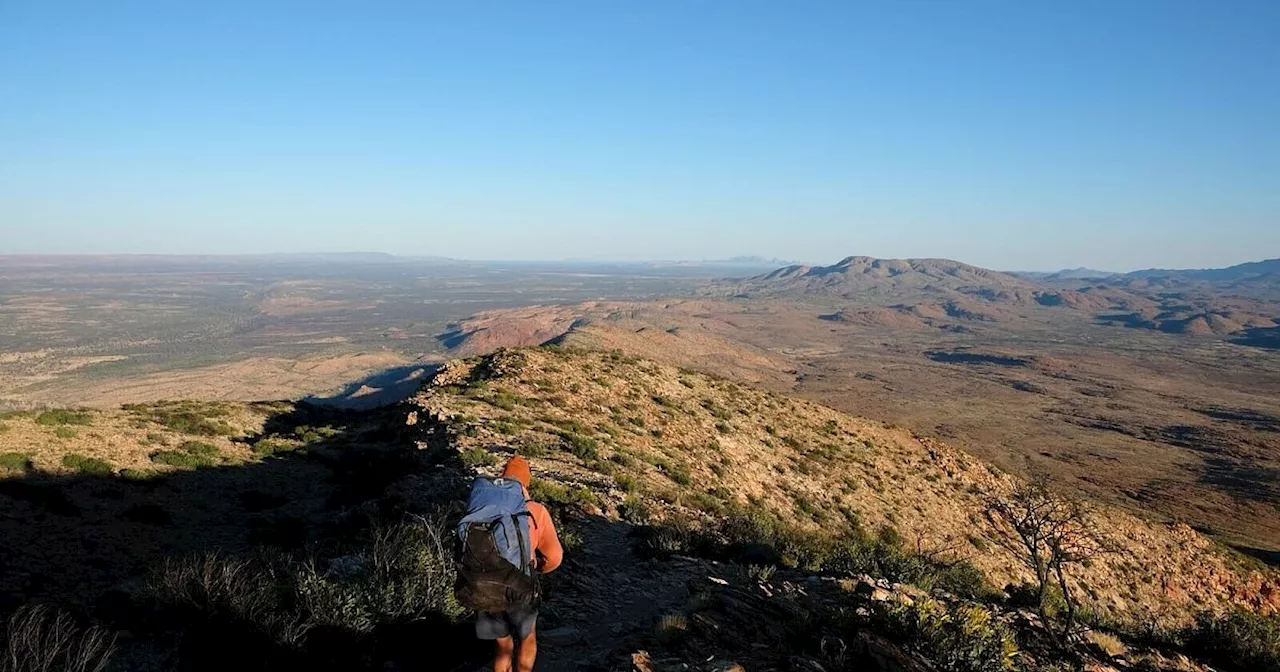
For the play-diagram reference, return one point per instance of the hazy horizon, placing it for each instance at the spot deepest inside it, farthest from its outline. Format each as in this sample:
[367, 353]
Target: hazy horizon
[1112, 135]
[746, 260]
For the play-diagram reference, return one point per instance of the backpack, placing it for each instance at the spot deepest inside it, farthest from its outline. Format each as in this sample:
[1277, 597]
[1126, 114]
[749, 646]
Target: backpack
[495, 553]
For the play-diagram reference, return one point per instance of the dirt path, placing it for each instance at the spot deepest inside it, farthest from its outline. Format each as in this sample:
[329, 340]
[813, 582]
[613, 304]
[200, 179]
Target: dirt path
[606, 600]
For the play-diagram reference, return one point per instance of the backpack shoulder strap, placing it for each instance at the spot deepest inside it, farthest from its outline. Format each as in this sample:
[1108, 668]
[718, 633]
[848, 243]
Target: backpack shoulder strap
[533, 520]
[525, 561]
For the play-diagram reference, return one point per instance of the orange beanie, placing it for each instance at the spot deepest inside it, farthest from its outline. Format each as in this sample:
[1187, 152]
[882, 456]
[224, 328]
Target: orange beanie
[517, 469]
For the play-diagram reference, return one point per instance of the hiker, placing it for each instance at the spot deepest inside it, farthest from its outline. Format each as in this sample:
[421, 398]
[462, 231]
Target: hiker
[506, 541]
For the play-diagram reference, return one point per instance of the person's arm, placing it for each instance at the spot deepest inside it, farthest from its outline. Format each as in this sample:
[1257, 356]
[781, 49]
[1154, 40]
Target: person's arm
[549, 549]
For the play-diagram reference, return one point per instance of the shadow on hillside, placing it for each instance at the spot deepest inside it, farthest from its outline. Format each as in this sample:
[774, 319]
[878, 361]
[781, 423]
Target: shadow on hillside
[1260, 337]
[89, 543]
[1270, 557]
[1253, 482]
[379, 389]
[974, 358]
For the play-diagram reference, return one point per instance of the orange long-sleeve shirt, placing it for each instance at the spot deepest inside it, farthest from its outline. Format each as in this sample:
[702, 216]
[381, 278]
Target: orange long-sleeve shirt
[542, 536]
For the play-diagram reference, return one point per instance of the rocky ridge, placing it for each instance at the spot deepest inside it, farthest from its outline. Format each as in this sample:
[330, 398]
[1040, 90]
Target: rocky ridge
[623, 447]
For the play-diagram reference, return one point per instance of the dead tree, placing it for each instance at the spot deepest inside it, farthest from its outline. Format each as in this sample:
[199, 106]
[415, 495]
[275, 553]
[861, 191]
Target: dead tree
[1048, 532]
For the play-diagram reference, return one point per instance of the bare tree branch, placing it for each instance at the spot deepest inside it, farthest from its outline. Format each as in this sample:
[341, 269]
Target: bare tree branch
[1047, 532]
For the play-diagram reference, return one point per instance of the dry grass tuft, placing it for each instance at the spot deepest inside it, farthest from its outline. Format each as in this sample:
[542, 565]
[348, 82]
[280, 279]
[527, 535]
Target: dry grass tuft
[43, 639]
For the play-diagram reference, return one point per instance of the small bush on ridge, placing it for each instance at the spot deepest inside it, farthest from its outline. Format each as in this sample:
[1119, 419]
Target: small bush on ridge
[16, 462]
[83, 464]
[64, 417]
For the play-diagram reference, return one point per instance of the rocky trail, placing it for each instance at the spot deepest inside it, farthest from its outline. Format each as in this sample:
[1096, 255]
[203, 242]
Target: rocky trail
[606, 600]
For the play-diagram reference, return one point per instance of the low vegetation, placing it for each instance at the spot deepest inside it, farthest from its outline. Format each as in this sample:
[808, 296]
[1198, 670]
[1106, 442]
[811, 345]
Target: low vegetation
[44, 639]
[402, 574]
[479, 457]
[89, 466]
[1239, 639]
[956, 637]
[190, 454]
[271, 445]
[64, 417]
[186, 417]
[756, 538]
[16, 462]
[556, 494]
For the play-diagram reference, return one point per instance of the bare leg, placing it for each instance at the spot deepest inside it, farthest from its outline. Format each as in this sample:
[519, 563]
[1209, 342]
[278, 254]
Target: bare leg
[502, 655]
[528, 651]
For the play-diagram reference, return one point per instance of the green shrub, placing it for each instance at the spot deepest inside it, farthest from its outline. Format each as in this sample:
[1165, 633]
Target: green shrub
[64, 417]
[505, 400]
[623, 460]
[178, 458]
[478, 457]
[704, 501]
[678, 473]
[570, 425]
[155, 438]
[581, 446]
[752, 535]
[187, 418]
[16, 462]
[534, 449]
[889, 536]
[3, 428]
[190, 454]
[272, 446]
[307, 434]
[635, 511]
[962, 578]
[626, 482]
[761, 573]
[1241, 639]
[956, 637]
[138, 474]
[666, 541]
[550, 492]
[199, 449]
[64, 432]
[82, 464]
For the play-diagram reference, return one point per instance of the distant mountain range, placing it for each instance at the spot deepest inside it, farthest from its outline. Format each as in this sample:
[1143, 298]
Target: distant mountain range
[1081, 273]
[1245, 271]
[1242, 300]
[869, 273]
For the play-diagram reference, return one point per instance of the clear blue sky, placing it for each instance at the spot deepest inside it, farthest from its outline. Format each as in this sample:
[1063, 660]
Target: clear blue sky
[1014, 134]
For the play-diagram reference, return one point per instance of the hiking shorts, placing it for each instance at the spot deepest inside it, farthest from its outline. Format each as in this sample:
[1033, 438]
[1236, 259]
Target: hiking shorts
[516, 623]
